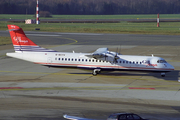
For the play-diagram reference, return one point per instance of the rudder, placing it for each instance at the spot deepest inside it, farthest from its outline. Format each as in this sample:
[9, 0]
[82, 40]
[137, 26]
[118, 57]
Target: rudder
[22, 43]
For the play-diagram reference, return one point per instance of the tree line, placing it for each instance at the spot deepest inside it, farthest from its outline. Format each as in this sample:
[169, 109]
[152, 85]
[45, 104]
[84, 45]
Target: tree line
[91, 7]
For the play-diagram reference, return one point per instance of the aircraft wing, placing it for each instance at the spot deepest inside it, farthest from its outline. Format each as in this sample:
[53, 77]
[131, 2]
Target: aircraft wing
[104, 54]
[75, 118]
[99, 53]
[101, 50]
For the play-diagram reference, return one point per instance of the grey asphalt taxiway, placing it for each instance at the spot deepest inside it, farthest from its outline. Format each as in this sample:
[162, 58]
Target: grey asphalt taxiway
[31, 91]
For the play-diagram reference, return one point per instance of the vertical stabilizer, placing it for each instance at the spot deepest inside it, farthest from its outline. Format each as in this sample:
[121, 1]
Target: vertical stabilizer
[22, 43]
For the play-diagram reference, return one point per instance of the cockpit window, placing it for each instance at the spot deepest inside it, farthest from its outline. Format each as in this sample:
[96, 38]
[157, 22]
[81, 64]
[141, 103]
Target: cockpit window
[161, 61]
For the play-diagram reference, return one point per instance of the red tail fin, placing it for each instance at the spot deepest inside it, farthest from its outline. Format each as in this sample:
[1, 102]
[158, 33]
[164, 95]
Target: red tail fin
[22, 43]
[18, 37]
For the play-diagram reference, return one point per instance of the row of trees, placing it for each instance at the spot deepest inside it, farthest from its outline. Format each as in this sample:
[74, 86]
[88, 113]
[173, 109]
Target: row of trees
[82, 7]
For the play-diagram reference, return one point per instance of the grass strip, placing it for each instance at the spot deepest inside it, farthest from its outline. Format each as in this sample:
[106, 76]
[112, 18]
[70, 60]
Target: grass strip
[5, 40]
[136, 16]
[166, 28]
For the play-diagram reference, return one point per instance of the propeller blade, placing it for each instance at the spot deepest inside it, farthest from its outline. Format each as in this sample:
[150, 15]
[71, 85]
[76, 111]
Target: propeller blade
[115, 57]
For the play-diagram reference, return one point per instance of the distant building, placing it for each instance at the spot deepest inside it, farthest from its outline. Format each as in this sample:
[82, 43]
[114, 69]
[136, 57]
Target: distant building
[30, 21]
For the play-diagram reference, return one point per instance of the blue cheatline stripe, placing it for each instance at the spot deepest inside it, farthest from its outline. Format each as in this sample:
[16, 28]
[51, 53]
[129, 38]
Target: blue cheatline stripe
[32, 48]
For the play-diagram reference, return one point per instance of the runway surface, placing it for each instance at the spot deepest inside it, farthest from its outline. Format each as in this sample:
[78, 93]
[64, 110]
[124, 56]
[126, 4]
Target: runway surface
[30, 91]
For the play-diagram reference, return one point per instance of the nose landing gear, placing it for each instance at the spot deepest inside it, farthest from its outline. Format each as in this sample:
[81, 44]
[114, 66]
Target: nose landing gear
[162, 74]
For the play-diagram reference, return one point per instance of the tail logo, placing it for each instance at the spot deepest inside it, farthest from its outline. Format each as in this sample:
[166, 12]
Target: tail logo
[22, 43]
[15, 39]
[13, 26]
[18, 39]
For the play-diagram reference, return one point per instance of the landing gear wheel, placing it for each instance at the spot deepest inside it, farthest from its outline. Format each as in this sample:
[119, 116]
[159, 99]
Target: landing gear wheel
[94, 73]
[162, 74]
[98, 72]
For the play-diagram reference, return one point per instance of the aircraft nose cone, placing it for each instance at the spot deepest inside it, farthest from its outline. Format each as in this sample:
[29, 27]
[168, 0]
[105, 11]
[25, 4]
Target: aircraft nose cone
[171, 67]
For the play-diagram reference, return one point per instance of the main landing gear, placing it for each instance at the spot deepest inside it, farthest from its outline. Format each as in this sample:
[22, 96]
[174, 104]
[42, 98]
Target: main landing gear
[162, 74]
[96, 71]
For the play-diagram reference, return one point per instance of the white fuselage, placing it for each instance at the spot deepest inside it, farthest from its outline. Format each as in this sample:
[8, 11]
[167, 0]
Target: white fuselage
[100, 60]
[80, 60]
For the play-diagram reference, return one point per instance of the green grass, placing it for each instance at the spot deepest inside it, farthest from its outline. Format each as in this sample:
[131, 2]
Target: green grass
[5, 40]
[166, 28]
[139, 16]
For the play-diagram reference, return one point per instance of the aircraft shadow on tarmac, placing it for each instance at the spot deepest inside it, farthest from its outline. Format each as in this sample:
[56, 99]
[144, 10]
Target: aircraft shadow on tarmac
[170, 76]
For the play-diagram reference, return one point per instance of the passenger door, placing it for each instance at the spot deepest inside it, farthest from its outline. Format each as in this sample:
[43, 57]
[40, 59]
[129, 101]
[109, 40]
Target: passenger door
[49, 60]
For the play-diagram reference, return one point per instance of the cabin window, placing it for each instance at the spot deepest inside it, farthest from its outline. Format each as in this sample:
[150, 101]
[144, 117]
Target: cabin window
[59, 58]
[55, 58]
[136, 62]
[133, 62]
[86, 60]
[129, 62]
[82, 59]
[99, 60]
[119, 61]
[75, 59]
[126, 62]
[123, 61]
[139, 62]
[89, 60]
[72, 59]
[92, 60]
[79, 59]
[65, 59]
[96, 60]
[69, 59]
[62, 58]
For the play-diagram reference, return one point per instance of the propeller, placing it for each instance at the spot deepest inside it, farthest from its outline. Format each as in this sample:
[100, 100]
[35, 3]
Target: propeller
[116, 57]
[105, 56]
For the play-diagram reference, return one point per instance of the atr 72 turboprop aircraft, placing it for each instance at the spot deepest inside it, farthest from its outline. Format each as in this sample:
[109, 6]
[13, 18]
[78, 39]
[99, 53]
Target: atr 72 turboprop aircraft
[100, 60]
